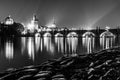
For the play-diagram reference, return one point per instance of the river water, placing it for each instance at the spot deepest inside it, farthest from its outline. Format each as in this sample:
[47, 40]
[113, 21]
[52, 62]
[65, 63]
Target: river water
[16, 52]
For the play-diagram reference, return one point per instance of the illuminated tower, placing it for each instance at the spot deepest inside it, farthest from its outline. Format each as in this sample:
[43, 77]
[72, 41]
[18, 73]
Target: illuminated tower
[33, 25]
[9, 20]
[35, 22]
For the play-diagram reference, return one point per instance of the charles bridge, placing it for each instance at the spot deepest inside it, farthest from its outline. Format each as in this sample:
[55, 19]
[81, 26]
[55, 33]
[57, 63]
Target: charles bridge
[79, 33]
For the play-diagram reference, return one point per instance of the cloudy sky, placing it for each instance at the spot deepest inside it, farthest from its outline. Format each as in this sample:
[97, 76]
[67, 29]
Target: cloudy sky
[67, 13]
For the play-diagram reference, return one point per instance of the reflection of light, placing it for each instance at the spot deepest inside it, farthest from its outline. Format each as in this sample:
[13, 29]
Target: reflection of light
[30, 46]
[106, 42]
[41, 46]
[89, 43]
[60, 45]
[23, 42]
[37, 43]
[48, 44]
[9, 50]
[106, 39]
[89, 49]
[72, 43]
[65, 43]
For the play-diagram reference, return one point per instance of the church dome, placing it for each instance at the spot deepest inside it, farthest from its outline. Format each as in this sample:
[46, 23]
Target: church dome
[9, 20]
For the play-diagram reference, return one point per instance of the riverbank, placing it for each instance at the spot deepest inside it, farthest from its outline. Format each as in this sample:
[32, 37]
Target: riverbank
[102, 65]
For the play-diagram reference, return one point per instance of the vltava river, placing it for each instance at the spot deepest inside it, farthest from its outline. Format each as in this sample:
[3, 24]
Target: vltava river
[16, 52]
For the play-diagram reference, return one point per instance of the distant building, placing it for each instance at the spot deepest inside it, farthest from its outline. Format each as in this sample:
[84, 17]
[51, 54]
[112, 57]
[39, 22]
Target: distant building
[53, 24]
[33, 25]
[35, 22]
[10, 27]
[9, 21]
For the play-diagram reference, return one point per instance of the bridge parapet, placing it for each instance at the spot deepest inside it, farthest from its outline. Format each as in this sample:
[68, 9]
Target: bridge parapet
[80, 33]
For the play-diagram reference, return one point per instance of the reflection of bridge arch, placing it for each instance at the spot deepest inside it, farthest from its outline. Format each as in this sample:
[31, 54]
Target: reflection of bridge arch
[72, 34]
[72, 44]
[107, 34]
[107, 39]
[47, 35]
[48, 44]
[88, 34]
[58, 35]
[59, 41]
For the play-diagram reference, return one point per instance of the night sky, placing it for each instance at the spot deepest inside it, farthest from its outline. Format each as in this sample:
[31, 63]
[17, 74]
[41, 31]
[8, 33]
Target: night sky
[68, 13]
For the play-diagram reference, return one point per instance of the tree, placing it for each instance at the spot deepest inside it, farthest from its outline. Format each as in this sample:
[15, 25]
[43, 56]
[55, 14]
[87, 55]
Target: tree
[14, 29]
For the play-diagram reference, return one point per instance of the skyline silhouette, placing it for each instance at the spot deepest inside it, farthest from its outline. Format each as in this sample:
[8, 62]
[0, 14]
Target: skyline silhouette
[67, 13]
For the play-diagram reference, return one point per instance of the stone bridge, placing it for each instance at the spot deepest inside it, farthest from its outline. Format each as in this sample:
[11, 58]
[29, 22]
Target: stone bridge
[78, 33]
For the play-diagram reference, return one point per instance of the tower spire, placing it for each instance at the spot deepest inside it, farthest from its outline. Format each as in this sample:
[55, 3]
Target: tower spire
[34, 17]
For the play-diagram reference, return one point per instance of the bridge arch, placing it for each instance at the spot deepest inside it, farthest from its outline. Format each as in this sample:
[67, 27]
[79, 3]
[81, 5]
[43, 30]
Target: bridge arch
[37, 35]
[107, 34]
[47, 34]
[88, 34]
[58, 35]
[72, 34]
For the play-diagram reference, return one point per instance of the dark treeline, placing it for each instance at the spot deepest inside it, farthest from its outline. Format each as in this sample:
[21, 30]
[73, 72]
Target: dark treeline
[10, 30]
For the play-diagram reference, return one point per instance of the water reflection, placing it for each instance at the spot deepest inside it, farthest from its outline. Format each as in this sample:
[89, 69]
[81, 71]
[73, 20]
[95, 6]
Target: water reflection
[48, 45]
[39, 49]
[60, 44]
[23, 44]
[106, 39]
[37, 43]
[32, 45]
[88, 43]
[72, 44]
[107, 42]
[67, 46]
[9, 50]
[30, 48]
[41, 44]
